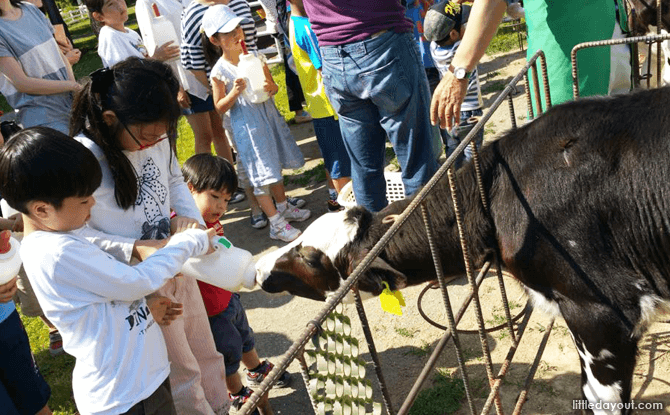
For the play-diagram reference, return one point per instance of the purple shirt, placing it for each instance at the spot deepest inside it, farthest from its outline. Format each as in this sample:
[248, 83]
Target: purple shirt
[338, 22]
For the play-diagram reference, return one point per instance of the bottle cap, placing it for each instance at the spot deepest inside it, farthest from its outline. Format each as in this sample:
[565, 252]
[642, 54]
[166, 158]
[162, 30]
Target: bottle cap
[5, 246]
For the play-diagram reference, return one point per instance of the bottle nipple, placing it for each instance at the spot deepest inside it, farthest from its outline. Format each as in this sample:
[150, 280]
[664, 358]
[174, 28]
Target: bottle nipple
[244, 47]
[154, 7]
[4, 242]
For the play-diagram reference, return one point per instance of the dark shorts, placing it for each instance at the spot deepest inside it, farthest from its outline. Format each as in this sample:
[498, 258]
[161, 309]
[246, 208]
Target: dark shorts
[23, 390]
[158, 403]
[232, 334]
[198, 105]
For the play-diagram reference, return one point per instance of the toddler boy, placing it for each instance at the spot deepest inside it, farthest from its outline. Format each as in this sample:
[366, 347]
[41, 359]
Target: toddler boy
[212, 181]
[96, 302]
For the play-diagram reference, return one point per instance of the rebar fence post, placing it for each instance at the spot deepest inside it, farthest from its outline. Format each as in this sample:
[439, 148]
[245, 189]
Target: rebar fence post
[373, 352]
[473, 286]
[428, 367]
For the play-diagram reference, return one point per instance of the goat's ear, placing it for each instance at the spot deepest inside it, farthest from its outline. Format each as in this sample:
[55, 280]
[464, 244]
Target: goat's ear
[380, 271]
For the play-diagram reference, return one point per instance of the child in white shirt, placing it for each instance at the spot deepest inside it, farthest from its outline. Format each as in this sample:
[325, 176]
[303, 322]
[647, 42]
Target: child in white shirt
[117, 42]
[97, 303]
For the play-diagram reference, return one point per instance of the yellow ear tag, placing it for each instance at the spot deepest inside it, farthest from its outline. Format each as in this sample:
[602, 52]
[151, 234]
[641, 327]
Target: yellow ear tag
[391, 301]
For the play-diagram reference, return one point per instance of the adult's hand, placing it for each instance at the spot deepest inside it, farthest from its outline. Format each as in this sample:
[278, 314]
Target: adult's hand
[445, 107]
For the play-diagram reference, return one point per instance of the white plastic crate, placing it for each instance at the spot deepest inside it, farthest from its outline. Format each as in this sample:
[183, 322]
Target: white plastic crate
[395, 190]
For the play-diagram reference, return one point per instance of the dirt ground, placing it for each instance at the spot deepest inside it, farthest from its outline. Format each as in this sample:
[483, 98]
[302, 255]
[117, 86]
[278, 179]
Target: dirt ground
[402, 341]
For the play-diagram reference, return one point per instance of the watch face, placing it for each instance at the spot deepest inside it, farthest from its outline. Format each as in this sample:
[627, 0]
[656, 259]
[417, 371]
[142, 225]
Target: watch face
[459, 73]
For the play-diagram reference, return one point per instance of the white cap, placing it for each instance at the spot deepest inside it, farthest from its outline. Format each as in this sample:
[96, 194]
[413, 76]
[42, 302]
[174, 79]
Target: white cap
[220, 19]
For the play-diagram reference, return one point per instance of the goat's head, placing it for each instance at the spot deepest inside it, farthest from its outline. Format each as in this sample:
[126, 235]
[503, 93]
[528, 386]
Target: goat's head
[327, 252]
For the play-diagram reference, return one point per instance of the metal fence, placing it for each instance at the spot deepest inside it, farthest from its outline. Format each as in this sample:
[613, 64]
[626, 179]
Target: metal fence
[335, 385]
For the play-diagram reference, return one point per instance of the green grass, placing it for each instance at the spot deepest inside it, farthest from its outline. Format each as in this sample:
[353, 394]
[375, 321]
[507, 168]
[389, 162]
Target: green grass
[444, 397]
[505, 40]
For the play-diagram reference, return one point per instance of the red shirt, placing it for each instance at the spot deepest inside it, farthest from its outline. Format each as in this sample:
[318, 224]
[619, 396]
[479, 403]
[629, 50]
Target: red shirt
[216, 299]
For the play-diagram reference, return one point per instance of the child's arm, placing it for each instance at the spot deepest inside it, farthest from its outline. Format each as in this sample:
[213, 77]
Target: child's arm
[270, 85]
[83, 267]
[222, 101]
[34, 86]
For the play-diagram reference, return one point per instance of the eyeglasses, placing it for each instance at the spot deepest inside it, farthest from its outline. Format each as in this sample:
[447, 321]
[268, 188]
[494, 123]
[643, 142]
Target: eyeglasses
[143, 146]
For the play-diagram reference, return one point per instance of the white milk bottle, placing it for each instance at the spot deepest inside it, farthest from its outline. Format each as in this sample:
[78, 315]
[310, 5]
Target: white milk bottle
[10, 261]
[250, 67]
[228, 267]
[162, 31]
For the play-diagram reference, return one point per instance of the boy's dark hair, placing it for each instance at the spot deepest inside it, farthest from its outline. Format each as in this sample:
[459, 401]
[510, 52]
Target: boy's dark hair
[211, 51]
[209, 172]
[139, 91]
[42, 164]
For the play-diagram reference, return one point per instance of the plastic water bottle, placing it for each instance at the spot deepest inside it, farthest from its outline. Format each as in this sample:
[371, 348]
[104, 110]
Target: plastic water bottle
[228, 267]
[162, 31]
[10, 261]
[250, 67]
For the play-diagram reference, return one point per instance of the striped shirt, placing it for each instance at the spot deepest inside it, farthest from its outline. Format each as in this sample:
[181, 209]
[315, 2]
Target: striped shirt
[192, 55]
[442, 56]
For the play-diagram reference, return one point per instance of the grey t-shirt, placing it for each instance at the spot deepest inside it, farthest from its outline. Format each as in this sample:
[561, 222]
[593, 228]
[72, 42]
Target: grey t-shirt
[30, 41]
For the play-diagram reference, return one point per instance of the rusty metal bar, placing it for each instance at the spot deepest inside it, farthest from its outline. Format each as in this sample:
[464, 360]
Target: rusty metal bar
[443, 341]
[495, 387]
[452, 333]
[304, 371]
[373, 352]
[531, 374]
[608, 42]
[545, 81]
[536, 89]
[468, 271]
[529, 102]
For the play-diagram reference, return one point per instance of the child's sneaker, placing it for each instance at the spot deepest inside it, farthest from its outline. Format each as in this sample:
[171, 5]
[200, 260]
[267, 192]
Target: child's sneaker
[296, 201]
[237, 196]
[254, 378]
[334, 206]
[294, 214]
[239, 399]
[284, 231]
[259, 221]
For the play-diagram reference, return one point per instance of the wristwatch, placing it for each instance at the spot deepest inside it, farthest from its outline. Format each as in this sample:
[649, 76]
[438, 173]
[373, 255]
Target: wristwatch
[459, 73]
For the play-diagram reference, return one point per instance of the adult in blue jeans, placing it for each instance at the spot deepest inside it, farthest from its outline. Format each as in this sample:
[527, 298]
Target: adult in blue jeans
[375, 80]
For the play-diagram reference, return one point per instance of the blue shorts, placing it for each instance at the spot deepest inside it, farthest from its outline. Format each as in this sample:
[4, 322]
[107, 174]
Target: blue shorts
[199, 105]
[23, 390]
[232, 334]
[329, 138]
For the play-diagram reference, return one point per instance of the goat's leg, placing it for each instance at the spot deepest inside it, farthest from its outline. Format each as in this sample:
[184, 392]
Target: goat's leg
[607, 351]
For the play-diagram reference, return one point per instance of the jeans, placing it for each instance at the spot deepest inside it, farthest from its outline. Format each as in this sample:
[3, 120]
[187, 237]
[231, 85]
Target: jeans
[379, 89]
[459, 133]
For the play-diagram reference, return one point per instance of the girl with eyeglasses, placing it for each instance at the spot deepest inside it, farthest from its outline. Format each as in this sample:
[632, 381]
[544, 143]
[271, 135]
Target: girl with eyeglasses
[127, 116]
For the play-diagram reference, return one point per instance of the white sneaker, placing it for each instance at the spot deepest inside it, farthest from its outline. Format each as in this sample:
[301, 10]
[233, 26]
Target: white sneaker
[294, 214]
[284, 231]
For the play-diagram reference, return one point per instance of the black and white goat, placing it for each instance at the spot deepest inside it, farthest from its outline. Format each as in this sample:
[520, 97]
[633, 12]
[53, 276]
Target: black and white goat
[580, 214]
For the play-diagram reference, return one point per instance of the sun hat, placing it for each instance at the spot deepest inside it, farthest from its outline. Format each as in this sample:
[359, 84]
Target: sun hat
[220, 19]
[441, 19]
